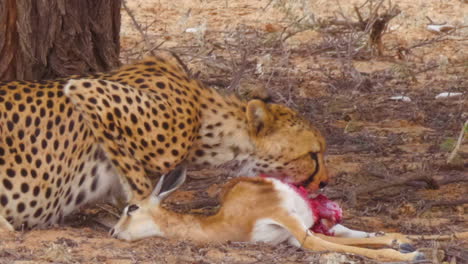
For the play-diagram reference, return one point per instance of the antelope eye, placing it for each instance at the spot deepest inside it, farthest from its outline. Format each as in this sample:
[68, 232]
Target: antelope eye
[132, 208]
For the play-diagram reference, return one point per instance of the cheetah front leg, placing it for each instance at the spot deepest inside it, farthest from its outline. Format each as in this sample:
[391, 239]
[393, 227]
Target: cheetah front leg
[4, 225]
[135, 183]
[113, 124]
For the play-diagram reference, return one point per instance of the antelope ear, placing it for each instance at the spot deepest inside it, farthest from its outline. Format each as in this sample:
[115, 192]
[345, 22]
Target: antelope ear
[259, 118]
[170, 182]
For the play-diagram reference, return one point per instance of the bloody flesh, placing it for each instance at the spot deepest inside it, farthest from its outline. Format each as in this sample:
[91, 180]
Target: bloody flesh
[326, 212]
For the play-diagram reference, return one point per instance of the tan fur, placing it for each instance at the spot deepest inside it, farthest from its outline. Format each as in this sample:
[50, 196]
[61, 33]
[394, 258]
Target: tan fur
[387, 240]
[244, 202]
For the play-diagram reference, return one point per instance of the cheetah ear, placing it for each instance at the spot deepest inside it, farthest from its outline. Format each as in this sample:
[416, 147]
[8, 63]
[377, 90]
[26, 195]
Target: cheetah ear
[259, 118]
[170, 182]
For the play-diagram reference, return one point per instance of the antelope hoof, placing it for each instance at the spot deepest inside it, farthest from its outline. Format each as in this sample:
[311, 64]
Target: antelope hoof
[406, 248]
[419, 256]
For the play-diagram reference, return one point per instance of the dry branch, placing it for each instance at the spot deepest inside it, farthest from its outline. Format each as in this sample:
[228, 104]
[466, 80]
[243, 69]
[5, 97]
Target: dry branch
[455, 150]
[135, 24]
[375, 24]
[461, 235]
[239, 73]
[428, 205]
[414, 180]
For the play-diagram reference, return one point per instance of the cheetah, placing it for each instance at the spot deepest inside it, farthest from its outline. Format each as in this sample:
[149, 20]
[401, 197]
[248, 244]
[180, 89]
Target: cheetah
[68, 142]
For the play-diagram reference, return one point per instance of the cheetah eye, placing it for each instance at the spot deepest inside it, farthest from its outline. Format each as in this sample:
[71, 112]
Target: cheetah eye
[132, 208]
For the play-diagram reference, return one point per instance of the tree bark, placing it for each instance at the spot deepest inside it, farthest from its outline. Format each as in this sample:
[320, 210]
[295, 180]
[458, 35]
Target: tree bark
[44, 39]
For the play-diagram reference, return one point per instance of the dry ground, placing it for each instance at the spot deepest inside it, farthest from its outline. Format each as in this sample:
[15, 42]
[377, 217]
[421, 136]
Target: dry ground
[375, 144]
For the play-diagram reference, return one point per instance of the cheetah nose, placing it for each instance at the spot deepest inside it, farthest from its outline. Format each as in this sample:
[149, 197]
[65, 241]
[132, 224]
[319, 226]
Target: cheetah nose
[111, 232]
[322, 185]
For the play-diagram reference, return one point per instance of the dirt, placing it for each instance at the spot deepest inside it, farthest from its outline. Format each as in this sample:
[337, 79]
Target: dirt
[337, 82]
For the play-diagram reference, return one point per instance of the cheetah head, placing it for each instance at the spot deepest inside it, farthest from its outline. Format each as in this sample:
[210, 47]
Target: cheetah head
[286, 145]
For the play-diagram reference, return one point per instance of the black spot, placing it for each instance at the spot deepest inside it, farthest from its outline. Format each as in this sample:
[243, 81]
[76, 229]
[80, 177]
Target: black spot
[38, 163]
[81, 196]
[199, 152]
[48, 217]
[8, 106]
[24, 187]
[17, 96]
[94, 184]
[128, 130]
[20, 208]
[38, 213]
[161, 138]
[117, 112]
[161, 85]
[11, 173]
[28, 121]
[18, 159]
[10, 125]
[147, 127]
[134, 118]
[92, 100]
[15, 118]
[3, 200]
[116, 98]
[48, 193]
[48, 158]
[108, 135]
[50, 104]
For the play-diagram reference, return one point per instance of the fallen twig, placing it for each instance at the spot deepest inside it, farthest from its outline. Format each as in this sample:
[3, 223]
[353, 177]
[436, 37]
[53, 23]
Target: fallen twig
[233, 86]
[428, 205]
[107, 210]
[455, 150]
[411, 179]
[461, 235]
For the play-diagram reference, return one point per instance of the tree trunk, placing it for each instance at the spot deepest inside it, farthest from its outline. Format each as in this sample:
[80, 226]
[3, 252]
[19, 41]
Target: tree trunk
[44, 39]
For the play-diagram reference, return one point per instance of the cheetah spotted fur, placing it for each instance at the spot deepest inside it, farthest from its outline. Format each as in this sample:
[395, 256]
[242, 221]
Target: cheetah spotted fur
[65, 143]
